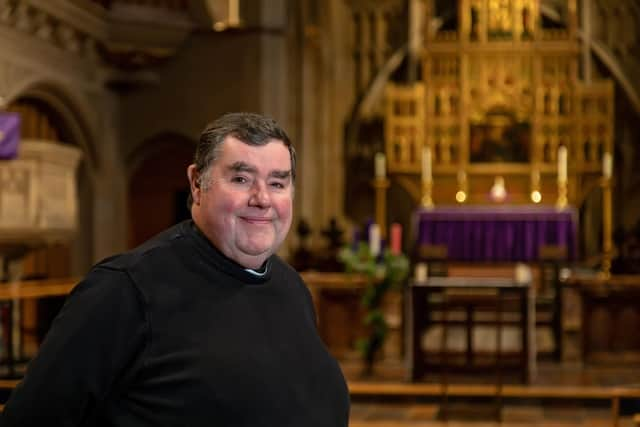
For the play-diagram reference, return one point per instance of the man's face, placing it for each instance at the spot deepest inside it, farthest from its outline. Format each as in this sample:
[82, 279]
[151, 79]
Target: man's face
[244, 206]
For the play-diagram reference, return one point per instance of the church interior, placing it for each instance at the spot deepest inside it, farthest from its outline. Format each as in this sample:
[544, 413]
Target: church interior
[467, 203]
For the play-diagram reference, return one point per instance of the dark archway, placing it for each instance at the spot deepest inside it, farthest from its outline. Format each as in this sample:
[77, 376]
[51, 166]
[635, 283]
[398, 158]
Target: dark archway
[158, 185]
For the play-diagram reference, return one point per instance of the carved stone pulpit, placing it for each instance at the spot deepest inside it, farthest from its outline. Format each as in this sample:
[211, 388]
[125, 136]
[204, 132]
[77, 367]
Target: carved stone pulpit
[38, 197]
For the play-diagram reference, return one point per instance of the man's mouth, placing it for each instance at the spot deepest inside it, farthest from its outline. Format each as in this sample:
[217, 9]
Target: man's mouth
[256, 220]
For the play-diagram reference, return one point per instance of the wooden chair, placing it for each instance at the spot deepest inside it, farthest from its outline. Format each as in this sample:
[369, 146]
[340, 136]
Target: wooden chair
[549, 301]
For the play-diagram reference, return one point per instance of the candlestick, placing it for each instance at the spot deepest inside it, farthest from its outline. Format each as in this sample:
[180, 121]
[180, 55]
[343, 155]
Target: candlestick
[562, 163]
[234, 13]
[535, 178]
[462, 177]
[380, 165]
[461, 194]
[536, 196]
[427, 175]
[607, 165]
[607, 226]
[427, 201]
[562, 201]
[380, 186]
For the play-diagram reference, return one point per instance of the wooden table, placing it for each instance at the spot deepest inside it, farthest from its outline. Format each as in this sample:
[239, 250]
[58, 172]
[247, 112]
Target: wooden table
[470, 294]
[16, 291]
[616, 297]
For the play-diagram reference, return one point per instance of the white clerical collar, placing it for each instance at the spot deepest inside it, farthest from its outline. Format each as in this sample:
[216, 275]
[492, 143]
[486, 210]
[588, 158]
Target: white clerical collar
[259, 273]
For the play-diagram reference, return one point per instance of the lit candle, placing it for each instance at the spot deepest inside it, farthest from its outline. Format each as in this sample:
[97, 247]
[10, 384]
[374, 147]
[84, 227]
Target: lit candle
[607, 165]
[426, 164]
[562, 163]
[396, 238]
[374, 240]
[380, 165]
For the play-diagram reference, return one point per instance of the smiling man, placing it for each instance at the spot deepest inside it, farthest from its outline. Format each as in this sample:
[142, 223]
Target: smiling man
[243, 201]
[202, 325]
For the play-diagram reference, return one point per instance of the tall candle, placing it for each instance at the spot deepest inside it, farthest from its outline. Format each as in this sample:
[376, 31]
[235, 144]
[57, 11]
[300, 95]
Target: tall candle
[426, 164]
[607, 165]
[562, 163]
[396, 238]
[374, 240]
[380, 165]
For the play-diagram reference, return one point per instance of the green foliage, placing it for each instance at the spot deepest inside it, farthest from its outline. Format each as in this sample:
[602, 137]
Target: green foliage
[386, 273]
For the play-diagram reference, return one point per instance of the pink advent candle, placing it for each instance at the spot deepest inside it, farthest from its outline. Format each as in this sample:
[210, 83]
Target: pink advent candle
[396, 238]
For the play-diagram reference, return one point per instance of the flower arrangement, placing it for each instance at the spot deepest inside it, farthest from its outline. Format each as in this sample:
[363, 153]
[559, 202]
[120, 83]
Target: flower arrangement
[386, 271]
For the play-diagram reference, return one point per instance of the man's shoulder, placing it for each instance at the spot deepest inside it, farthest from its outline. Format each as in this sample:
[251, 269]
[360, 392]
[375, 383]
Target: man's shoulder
[158, 247]
[284, 270]
[280, 265]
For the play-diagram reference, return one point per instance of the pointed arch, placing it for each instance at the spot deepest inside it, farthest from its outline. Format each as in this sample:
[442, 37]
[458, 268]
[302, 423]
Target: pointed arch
[157, 182]
[72, 114]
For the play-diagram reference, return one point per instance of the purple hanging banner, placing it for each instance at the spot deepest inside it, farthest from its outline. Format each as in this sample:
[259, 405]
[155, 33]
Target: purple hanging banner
[9, 135]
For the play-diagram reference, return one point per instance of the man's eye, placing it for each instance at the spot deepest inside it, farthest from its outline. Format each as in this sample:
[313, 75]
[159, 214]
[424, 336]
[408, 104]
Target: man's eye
[239, 179]
[278, 185]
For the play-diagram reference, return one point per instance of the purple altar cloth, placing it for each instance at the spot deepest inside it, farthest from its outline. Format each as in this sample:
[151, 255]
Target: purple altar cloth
[9, 135]
[504, 233]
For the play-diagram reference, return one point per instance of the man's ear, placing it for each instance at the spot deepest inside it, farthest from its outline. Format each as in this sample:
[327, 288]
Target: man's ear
[194, 183]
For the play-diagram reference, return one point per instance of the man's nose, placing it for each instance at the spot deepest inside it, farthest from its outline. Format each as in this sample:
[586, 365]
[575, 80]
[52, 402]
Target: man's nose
[260, 195]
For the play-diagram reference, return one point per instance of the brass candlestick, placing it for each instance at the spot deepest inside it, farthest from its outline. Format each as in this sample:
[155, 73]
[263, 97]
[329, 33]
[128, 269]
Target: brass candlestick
[463, 188]
[427, 201]
[380, 185]
[607, 244]
[562, 201]
[536, 196]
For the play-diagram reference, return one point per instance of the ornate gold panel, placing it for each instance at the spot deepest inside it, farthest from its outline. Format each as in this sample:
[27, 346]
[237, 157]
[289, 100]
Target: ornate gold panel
[499, 96]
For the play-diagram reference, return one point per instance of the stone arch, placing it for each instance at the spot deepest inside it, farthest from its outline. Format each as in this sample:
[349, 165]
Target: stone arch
[73, 113]
[156, 172]
[73, 119]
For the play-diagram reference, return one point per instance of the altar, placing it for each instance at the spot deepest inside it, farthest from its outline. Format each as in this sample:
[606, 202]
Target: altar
[497, 233]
